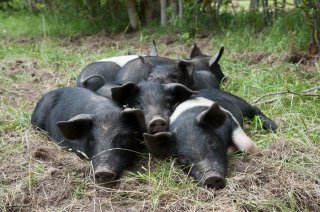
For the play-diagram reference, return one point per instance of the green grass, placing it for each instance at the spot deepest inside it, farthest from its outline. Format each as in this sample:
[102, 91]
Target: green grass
[284, 178]
[18, 24]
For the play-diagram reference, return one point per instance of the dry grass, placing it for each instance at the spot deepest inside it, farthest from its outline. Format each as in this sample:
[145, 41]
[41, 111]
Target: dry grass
[37, 175]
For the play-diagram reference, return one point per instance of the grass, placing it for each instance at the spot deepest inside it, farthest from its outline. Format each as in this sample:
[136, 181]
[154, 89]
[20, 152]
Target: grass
[38, 175]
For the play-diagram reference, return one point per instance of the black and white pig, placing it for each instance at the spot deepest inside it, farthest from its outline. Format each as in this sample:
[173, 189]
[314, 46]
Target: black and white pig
[157, 68]
[202, 130]
[104, 72]
[156, 100]
[78, 119]
[97, 74]
[223, 97]
[207, 70]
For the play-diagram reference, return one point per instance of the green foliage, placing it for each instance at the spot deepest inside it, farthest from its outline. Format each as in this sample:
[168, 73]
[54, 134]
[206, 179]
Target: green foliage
[16, 5]
[18, 24]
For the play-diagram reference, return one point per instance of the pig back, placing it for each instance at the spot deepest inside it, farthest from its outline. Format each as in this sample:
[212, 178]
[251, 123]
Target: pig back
[235, 105]
[65, 103]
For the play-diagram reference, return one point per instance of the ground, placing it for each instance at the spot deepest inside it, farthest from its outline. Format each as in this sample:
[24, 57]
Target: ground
[37, 175]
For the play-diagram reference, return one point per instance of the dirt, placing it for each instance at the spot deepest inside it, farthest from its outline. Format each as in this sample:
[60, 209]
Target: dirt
[256, 57]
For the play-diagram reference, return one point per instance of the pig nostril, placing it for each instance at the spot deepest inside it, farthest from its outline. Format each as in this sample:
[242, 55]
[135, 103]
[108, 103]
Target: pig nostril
[152, 125]
[105, 176]
[215, 182]
[158, 125]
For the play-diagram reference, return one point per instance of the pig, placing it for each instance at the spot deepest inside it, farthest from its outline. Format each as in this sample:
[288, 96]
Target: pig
[203, 129]
[103, 72]
[97, 74]
[207, 70]
[246, 109]
[200, 133]
[156, 100]
[80, 120]
[120, 60]
[157, 68]
[123, 60]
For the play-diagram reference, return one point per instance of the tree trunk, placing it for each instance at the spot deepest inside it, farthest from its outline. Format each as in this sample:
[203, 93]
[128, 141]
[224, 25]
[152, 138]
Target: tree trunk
[133, 13]
[146, 10]
[218, 4]
[163, 6]
[275, 9]
[296, 2]
[284, 6]
[265, 11]
[316, 27]
[150, 10]
[253, 5]
[311, 11]
[175, 9]
[180, 9]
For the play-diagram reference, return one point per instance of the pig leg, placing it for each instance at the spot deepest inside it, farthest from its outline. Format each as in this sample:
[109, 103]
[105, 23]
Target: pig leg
[243, 142]
[267, 123]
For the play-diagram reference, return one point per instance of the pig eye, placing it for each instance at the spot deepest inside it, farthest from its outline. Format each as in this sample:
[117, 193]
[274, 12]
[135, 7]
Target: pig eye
[91, 141]
[122, 140]
[214, 145]
[183, 161]
[138, 105]
[173, 78]
[168, 104]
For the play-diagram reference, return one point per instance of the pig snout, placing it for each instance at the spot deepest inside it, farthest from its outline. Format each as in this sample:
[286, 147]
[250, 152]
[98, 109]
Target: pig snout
[157, 124]
[214, 180]
[104, 175]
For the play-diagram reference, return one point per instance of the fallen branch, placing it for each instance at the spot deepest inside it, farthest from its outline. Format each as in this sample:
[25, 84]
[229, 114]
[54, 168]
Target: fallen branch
[300, 93]
[265, 102]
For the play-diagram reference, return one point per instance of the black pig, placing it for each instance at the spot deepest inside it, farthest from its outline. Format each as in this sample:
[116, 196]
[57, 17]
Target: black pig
[156, 68]
[201, 132]
[247, 110]
[77, 118]
[156, 100]
[208, 73]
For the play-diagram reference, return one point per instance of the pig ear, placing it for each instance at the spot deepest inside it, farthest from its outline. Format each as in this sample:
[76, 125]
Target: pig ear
[159, 144]
[119, 93]
[153, 49]
[195, 52]
[213, 116]
[93, 82]
[105, 91]
[179, 91]
[186, 67]
[76, 127]
[134, 116]
[215, 59]
[142, 59]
